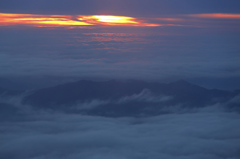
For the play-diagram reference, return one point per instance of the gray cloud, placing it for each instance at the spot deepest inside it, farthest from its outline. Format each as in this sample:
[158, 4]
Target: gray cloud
[207, 133]
[145, 96]
[90, 105]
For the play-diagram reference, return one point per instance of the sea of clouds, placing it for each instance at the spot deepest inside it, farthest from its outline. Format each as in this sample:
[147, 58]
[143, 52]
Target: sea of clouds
[206, 133]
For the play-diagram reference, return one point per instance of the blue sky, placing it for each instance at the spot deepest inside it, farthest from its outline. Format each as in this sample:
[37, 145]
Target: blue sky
[192, 40]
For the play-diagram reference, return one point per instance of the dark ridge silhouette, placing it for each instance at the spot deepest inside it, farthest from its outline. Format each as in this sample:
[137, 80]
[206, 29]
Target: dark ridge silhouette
[142, 97]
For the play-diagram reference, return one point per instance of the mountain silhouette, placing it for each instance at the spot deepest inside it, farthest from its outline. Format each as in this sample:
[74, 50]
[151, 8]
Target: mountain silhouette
[124, 98]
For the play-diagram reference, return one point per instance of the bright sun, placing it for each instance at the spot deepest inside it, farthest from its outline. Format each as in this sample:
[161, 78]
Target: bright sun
[114, 19]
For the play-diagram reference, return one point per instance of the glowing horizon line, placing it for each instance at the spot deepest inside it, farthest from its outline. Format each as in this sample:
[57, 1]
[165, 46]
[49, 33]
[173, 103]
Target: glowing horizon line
[7, 19]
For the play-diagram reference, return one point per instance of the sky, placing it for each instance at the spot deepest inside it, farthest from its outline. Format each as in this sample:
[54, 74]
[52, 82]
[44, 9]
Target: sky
[151, 40]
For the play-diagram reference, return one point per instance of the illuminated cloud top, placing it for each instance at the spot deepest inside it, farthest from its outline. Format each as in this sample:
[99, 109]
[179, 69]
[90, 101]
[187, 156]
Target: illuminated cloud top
[8, 19]
[67, 20]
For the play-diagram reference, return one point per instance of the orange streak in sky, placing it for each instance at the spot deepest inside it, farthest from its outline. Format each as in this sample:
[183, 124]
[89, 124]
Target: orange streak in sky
[168, 19]
[32, 19]
[217, 15]
[66, 20]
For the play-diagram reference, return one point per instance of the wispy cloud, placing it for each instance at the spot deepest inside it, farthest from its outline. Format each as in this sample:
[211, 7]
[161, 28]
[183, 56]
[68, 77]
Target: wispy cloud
[168, 19]
[38, 20]
[7, 19]
[217, 15]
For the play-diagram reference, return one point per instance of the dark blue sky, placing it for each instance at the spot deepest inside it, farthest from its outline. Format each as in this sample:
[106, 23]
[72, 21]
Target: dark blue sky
[191, 41]
[123, 7]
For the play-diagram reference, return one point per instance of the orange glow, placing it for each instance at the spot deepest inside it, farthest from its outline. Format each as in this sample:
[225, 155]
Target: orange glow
[169, 19]
[217, 15]
[32, 19]
[114, 34]
[69, 21]
[114, 20]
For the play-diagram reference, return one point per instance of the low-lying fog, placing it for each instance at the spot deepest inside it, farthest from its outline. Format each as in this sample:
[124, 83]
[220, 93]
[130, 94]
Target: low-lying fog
[208, 133]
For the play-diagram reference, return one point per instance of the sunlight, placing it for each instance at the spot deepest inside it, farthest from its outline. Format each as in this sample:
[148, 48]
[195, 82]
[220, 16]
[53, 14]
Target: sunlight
[32, 19]
[114, 19]
[7, 19]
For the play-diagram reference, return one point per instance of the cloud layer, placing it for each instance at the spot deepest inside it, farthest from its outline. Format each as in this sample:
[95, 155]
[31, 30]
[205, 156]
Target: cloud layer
[208, 133]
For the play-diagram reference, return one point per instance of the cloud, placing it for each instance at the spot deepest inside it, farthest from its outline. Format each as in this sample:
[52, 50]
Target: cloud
[169, 19]
[90, 105]
[217, 16]
[38, 20]
[204, 134]
[69, 21]
[145, 96]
